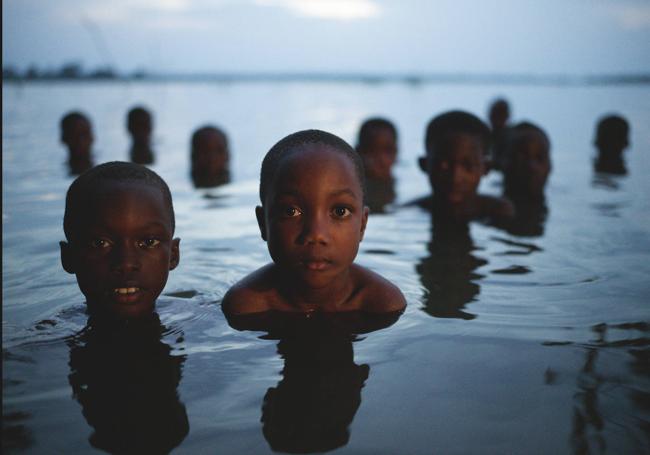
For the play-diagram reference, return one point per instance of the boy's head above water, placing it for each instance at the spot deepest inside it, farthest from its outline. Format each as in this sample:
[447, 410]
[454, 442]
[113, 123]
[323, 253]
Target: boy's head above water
[499, 113]
[528, 162]
[119, 225]
[139, 124]
[612, 135]
[77, 135]
[210, 157]
[377, 145]
[313, 214]
[456, 144]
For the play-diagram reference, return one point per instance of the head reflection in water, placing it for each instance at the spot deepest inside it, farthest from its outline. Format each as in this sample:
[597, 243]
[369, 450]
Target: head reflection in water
[311, 409]
[125, 379]
[448, 272]
[313, 406]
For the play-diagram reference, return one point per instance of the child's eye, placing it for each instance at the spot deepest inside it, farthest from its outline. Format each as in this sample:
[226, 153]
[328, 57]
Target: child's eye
[341, 212]
[99, 243]
[149, 242]
[291, 212]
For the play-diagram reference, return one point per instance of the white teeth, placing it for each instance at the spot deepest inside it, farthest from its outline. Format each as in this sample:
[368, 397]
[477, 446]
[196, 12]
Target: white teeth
[125, 290]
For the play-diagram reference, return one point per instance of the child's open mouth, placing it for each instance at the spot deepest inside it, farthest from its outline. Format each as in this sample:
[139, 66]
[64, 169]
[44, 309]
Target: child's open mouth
[126, 294]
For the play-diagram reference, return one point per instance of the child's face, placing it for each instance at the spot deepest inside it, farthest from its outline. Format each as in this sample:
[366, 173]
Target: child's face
[79, 139]
[379, 156]
[612, 143]
[210, 155]
[456, 168]
[123, 249]
[314, 217]
[140, 128]
[530, 163]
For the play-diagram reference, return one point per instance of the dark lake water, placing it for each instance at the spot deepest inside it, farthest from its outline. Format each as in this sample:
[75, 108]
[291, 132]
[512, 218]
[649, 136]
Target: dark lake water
[509, 343]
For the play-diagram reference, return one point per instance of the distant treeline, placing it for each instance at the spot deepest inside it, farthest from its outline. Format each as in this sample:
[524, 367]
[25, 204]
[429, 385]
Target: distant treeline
[75, 71]
[66, 71]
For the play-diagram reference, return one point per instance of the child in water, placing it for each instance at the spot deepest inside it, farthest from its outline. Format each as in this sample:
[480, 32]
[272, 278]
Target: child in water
[499, 114]
[611, 140]
[377, 145]
[210, 157]
[119, 226]
[457, 144]
[312, 217]
[77, 135]
[527, 163]
[140, 124]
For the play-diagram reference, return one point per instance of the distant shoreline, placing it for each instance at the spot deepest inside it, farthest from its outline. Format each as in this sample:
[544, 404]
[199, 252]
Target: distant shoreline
[440, 78]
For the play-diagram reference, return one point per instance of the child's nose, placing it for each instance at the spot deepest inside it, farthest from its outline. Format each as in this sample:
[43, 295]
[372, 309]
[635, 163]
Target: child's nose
[315, 229]
[126, 259]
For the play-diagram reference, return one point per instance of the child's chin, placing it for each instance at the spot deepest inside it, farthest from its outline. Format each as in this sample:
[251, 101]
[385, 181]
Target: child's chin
[123, 311]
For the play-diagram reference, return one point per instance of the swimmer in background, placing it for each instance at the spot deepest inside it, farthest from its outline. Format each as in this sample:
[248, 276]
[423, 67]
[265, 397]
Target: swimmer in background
[77, 135]
[210, 157]
[377, 145]
[612, 138]
[527, 165]
[312, 217]
[499, 114]
[119, 227]
[457, 144]
[140, 125]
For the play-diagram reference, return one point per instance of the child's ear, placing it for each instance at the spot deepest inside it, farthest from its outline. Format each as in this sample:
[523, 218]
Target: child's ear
[261, 221]
[175, 257]
[422, 162]
[68, 258]
[364, 221]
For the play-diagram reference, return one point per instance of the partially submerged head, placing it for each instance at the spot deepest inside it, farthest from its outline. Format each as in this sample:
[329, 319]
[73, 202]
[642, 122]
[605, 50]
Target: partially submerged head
[119, 225]
[210, 157]
[456, 144]
[499, 114]
[612, 133]
[528, 162]
[312, 214]
[139, 124]
[377, 145]
[77, 135]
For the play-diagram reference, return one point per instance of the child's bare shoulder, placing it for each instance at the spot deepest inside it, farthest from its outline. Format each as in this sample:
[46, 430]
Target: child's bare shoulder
[376, 293]
[252, 294]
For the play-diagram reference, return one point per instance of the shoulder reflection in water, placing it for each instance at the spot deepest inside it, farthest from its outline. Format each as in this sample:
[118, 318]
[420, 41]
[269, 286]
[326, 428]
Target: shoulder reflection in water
[125, 379]
[312, 407]
[448, 272]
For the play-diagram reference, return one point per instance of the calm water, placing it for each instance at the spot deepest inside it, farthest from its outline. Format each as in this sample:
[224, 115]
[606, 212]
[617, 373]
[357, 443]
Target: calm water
[509, 344]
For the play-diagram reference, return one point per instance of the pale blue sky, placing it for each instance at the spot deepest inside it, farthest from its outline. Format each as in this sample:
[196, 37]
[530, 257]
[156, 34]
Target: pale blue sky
[378, 36]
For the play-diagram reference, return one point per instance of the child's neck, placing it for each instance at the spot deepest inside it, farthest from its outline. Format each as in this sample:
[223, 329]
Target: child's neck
[461, 211]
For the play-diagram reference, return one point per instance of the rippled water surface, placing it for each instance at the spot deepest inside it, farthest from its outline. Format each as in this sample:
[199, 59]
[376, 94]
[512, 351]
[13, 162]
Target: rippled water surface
[510, 343]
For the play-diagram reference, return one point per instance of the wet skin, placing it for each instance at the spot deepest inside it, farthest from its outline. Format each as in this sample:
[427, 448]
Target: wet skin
[210, 157]
[380, 155]
[140, 128]
[123, 249]
[313, 219]
[528, 168]
[456, 169]
[79, 139]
